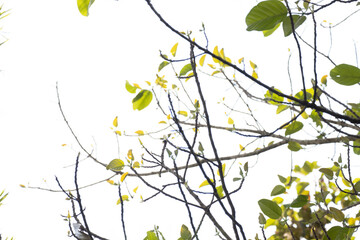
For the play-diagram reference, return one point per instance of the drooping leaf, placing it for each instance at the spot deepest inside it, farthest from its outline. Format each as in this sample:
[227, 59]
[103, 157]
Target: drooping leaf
[270, 208]
[115, 165]
[174, 49]
[202, 60]
[278, 189]
[123, 176]
[185, 233]
[345, 74]
[162, 65]
[298, 20]
[142, 99]
[185, 69]
[84, 6]
[294, 127]
[294, 146]
[300, 201]
[130, 88]
[265, 15]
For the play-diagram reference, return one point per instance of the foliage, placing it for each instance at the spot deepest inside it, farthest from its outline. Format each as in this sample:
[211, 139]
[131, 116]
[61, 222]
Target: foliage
[301, 208]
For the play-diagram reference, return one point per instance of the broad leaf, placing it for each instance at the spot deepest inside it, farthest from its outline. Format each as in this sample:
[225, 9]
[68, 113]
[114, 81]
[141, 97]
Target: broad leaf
[300, 201]
[345, 74]
[269, 32]
[115, 165]
[84, 6]
[298, 20]
[327, 172]
[130, 88]
[294, 127]
[265, 16]
[162, 65]
[150, 235]
[278, 189]
[185, 233]
[270, 208]
[142, 100]
[294, 146]
[338, 215]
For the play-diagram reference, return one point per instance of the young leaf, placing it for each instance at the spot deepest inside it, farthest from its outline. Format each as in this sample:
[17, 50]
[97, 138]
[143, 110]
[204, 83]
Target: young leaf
[129, 88]
[142, 100]
[294, 127]
[204, 183]
[115, 165]
[115, 122]
[345, 74]
[265, 16]
[183, 113]
[84, 6]
[123, 176]
[174, 49]
[185, 69]
[202, 60]
[139, 132]
[136, 164]
[278, 189]
[230, 121]
[223, 169]
[162, 65]
[185, 233]
[270, 208]
[220, 191]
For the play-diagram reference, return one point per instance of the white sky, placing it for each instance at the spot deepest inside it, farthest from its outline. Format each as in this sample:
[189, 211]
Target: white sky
[90, 58]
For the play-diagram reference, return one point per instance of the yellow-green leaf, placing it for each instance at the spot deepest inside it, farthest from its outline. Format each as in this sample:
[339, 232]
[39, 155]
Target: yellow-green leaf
[338, 215]
[123, 176]
[216, 52]
[118, 132]
[142, 100]
[185, 233]
[130, 88]
[183, 113]
[84, 6]
[136, 164]
[174, 49]
[115, 165]
[294, 127]
[253, 65]
[135, 189]
[162, 65]
[187, 68]
[294, 146]
[130, 155]
[223, 169]
[139, 132]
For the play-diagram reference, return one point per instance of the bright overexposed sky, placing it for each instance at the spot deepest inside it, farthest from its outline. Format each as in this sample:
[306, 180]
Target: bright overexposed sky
[90, 59]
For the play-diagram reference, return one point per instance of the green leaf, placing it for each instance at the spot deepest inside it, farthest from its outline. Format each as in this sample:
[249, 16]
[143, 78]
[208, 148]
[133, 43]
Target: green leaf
[220, 191]
[300, 187]
[269, 32]
[294, 146]
[357, 186]
[281, 108]
[327, 172]
[316, 118]
[84, 6]
[185, 233]
[185, 69]
[282, 179]
[116, 165]
[265, 16]
[130, 88]
[298, 20]
[262, 219]
[356, 147]
[269, 96]
[300, 201]
[270, 208]
[150, 235]
[338, 233]
[294, 127]
[345, 74]
[162, 65]
[338, 215]
[142, 100]
[278, 189]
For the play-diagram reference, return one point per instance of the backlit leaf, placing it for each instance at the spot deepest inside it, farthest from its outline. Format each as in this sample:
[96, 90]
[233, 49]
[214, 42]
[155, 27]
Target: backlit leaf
[123, 176]
[220, 191]
[294, 127]
[270, 208]
[298, 20]
[294, 146]
[185, 69]
[130, 88]
[216, 52]
[265, 15]
[115, 122]
[135, 189]
[136, 164]
[110, 181]
[270, 31]
[223, 170]
[300, 201]
[115, 165]
[84, 6]
[130, 155]
[174, 49]
[253, 65]
[162, 65]
[327, 172]
[230, 121]
[185, 233]
[139, 132]
[281, 108]
[202, 60]
[183, 113]
[142, 100]
[345, 74]
[205, 183]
